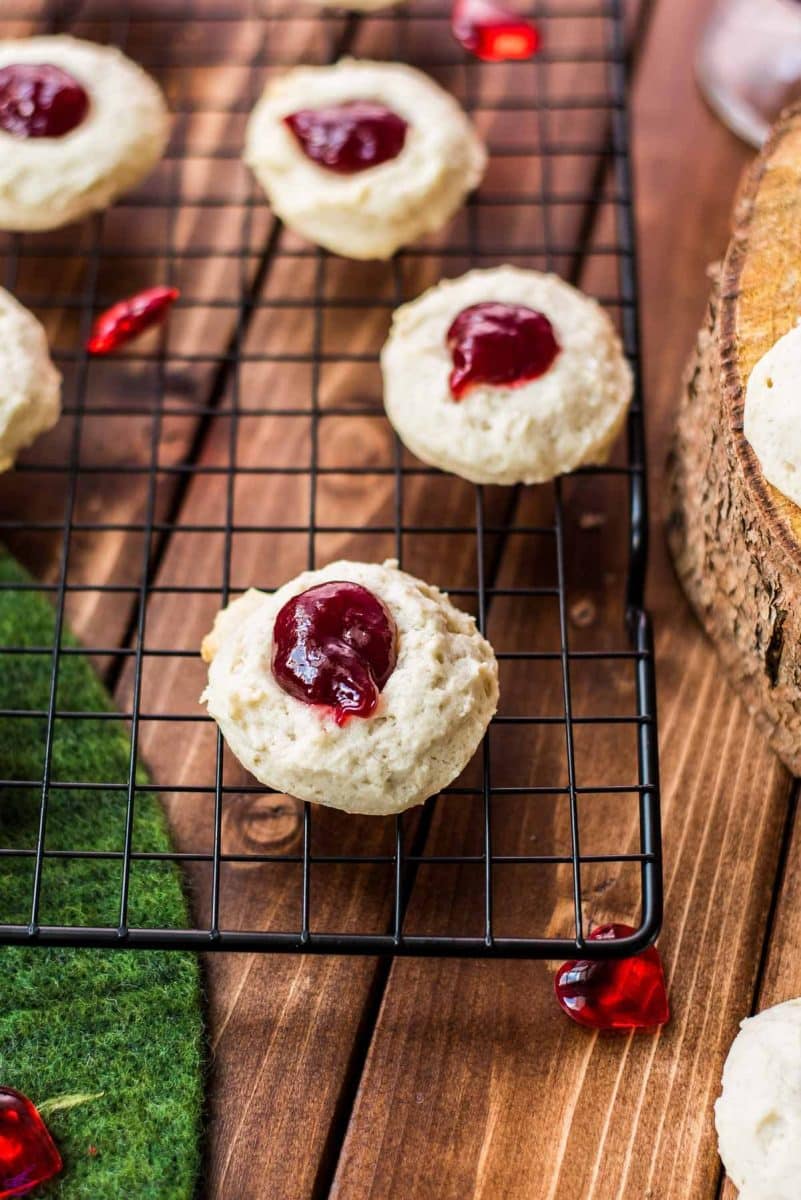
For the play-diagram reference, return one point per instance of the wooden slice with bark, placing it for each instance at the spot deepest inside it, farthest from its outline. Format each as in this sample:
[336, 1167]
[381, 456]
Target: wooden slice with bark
[735, 539]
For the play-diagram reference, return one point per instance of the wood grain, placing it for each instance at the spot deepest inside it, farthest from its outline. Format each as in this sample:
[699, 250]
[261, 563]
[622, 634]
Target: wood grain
[475, 1084]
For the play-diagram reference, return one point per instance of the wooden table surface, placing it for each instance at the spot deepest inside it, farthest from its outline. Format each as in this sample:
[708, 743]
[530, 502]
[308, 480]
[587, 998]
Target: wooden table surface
[443, 1078]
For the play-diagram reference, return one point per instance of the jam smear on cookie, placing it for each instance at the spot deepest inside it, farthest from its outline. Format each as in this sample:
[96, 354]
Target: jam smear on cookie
[350, 137]
[497, 343]
[38, 100]
[335, 645]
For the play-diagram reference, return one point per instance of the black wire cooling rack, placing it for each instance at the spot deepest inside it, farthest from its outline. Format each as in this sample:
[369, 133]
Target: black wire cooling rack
[246, 441]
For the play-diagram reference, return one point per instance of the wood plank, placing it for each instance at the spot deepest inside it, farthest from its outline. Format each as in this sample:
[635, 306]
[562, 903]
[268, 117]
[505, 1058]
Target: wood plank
[475, 1084]
[283, 1104]
[313, 1004]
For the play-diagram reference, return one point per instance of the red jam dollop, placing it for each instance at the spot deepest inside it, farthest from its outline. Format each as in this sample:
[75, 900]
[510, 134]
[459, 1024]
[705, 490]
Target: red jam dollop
[622, 994]
[349, 137]
[497, 343]
[38, 100]
[493, 33]
[335, 645]
[28, 1154]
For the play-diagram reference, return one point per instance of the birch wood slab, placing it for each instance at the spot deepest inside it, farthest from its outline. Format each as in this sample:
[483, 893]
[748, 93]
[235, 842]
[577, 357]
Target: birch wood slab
[736, 541]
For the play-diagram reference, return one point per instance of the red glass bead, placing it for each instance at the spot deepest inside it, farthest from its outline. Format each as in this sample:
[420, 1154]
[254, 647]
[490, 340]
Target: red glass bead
[349, 137]
[335, 645]
[506, 344]
[38, 100]
[493, 33]
[128, 318]
[628, 993]
[28, 1154]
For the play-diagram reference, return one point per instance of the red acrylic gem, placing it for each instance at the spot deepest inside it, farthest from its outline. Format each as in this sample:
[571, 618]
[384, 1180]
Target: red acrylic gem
[335, 645]
[504, 344]
[28, 1154]
[493, 33]
[349, 137]
[625, 994]
[38, 100]
[127, 319]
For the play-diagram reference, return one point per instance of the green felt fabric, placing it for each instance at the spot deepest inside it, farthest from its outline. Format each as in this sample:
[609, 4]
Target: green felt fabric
[124, 1023]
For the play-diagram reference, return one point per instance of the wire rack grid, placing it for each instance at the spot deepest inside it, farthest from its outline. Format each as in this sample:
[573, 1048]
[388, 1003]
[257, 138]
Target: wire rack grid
[246, 441]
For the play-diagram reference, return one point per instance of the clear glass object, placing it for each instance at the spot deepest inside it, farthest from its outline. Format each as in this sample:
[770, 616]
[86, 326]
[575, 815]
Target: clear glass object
[749, 63]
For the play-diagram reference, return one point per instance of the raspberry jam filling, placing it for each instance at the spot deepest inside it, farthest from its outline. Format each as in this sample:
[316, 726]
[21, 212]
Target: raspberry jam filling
[499, 343]
[38, 100]
[349, 137]
[622, 994]
[335, 645]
